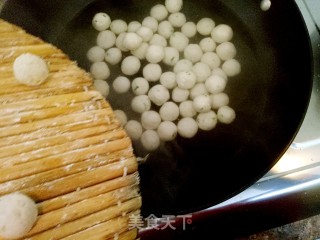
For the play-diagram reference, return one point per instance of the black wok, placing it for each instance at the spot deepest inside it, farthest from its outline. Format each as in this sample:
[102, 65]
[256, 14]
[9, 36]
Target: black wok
[270, 96]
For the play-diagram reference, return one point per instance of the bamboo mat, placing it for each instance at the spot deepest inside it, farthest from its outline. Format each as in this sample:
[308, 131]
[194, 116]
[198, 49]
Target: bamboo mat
[61, 144]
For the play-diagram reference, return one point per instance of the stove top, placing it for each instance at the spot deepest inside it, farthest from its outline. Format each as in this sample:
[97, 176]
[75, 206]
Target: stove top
[290, 191]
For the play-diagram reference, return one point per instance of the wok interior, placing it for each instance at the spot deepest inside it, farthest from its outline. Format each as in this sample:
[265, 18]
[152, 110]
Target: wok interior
[270, 96]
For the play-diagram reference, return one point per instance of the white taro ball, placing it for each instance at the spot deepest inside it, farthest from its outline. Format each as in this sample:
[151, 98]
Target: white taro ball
[121, 84]
[140, 52]
[106, 39]
[95, 54]
[173, 5]
[193, 52]
[145, 32]
[133, 26]
[151, 23]
[179, 41]
[101, 21]
[155, 53]
[226, 114]
[132, 41]
[152, 72]
[265, 5]
[207, 44]
[150, 119]
[32, 70]
[219, 72]
[165, 29]
[205, 26]
[177, 19]
[18, 214]
[130, 65]
[215, 84]
[159, 12]
[140, 86]
[226, 51]
[158, 94]
[219, 100]
[207, 121]
[118, 26]
[169, 111]
[186, 79]
[179, 95]
[102, 86]
[119, 42]
[171, 56]
[186, 109]
[211, 59]
[100, 70]
[202, 71]
[189, 29]
[231, 67]
[134, 129]
[157, 39]
[222, 33]
[168, 79]
[187, 127]
[167, 131]
[113, 56]
[150, 140]
[140, 103]
[183, 65]
[121, 116]
[198, 89]
[202, 103]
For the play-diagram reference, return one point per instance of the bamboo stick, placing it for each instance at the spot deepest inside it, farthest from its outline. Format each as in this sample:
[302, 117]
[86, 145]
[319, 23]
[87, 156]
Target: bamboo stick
[42, 50]
[61, 172]
[59, 149]
[90, 220]
[53, 161]
[39, 143]
[103, 230]
[40, 93]
[45, 133]
[127, 235]
[88, 192]
[45, 113]
[47, 102]
[72, 119]
[7, 27]
[81, 209]
[14, 88]
[8, 39]
[80, 180]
